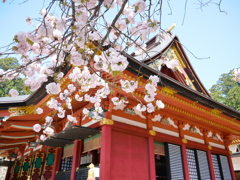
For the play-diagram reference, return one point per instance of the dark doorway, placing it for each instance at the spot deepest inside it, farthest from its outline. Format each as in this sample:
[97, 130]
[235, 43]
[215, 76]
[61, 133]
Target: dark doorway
[161, 168]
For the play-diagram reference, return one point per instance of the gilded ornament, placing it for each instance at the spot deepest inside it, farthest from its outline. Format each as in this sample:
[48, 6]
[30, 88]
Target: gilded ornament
[230, 152]
[169, 90]
[152, 132]
[178, 56]
[165, 122]
[216, 111]
[106, 121]
[209, 147]
[19, 111]
[184, 141]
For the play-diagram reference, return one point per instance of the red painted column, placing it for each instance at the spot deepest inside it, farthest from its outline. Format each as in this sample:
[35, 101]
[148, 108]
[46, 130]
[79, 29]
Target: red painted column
[210, 164]
[57, 162]
[231, 166]
[105, 156]
[152, 169]
[185, 162]
[77, 152]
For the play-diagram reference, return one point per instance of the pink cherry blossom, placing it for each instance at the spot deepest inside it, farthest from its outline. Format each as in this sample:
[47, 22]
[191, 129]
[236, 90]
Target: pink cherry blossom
[78, 98]
[160, 104]
[150, 108]
[49, 131]
[140, 6]
[149, 97]
[13, 93]
[39, 110]
[172, 63]
[37, 127]
[141, 107]
[64, 95]
[53, 88]
[85, 111]
[128, 86]
[154, 79]
[150, 88]
[32, 83]
[43, 137]
[48, 120]
[71, 87]
[71, 118]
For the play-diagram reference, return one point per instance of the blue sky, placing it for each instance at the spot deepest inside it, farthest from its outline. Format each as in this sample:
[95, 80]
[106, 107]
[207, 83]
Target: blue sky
[206, 32]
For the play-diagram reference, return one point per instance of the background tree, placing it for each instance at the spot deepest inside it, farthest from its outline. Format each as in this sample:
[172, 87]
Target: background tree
[17, 83]
[227, 91]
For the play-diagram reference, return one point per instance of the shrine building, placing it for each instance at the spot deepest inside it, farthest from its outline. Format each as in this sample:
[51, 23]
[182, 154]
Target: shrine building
[188, 139]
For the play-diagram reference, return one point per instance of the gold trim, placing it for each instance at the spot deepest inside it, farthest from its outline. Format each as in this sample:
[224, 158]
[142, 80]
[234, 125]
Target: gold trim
[178, 56]
[106, 121]
[152, 132]
[19, 111]
[231, 121]
[200, 118]
[209, 147]
[185, 141]
[230, 152]
[169, 90]
[216, 111]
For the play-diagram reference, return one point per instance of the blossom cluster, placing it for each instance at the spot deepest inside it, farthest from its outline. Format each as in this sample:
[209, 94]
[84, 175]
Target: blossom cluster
[91, 40]
[150, 89]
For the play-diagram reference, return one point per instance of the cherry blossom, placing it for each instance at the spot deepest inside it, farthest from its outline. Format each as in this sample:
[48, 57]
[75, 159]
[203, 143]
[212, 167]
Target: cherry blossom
[48, 120]
[141, 107]
[72, 119]
[78, 98]
[13, 93]
[37, 127]
[49, 131]
[90, 41]
[150, 108]
[128, 86]
[172, 63]
[39, 110]
[53, 88]
[160, 104]
[43, 137]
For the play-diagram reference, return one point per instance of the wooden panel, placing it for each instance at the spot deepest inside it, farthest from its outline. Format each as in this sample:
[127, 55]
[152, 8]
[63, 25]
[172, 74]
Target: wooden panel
[129, 157]
[92, 143]
[159, 148]
[68, 150]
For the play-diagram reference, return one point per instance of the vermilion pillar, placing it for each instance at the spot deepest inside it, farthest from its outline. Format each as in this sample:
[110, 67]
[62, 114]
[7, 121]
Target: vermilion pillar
[57, 162]
[105, 156]
[77, 152]
[210, 163]
[231, 166]
[185, 162]
[152, 169]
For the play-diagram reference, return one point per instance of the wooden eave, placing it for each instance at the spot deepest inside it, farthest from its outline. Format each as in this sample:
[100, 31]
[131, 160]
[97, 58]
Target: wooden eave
[139, 68]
